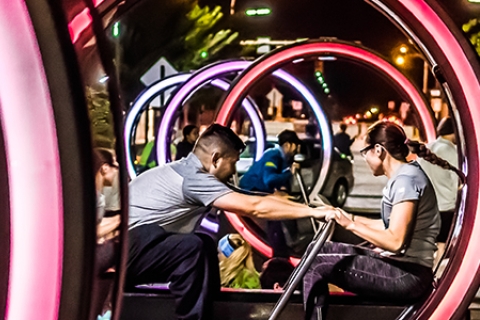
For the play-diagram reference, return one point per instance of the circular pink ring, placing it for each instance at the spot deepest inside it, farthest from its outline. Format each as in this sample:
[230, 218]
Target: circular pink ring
[255, 72]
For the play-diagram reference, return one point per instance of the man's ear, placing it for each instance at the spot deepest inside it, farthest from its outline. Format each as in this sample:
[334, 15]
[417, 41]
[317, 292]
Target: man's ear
[277, 286]
[215, 158]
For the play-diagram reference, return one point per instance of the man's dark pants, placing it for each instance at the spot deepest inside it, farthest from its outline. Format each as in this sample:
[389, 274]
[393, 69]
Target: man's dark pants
[188, 261]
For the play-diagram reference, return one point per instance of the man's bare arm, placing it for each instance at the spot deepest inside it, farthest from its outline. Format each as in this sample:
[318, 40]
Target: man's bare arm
[267, 207]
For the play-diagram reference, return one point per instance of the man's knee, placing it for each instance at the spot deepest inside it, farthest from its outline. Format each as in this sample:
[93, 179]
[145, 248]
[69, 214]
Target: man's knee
[191, 244]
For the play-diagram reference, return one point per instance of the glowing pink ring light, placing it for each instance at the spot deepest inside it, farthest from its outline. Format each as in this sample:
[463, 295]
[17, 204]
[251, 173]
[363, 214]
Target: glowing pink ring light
[270, 62]
[36, 209]
[175, 80]
[452, 295]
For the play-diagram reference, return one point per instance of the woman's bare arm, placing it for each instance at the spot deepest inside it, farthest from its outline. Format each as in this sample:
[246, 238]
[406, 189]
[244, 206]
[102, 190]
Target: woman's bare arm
[391, 239]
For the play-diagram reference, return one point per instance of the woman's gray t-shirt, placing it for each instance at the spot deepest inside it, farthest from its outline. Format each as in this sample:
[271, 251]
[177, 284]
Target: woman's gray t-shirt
[174, 196]
[410, 183]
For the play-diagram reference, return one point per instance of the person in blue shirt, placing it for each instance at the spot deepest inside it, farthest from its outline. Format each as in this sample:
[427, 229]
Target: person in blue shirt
[273, 172]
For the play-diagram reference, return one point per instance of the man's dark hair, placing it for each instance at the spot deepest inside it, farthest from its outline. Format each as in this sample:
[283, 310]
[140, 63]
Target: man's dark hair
[343, 127]
[218, 134]
[277, 270]
[288, 136]
[188, 129]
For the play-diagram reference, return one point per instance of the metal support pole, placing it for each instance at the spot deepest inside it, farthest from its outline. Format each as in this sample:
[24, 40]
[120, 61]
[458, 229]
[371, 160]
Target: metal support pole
[303, 190]
[299, 158]
[425, 76]
[302, 268]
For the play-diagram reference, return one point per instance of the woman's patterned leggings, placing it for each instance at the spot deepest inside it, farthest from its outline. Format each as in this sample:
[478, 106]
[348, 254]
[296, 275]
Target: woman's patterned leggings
[364, 272]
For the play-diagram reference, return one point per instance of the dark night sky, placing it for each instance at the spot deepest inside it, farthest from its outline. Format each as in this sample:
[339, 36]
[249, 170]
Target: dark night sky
[354, 87]
[152, 23]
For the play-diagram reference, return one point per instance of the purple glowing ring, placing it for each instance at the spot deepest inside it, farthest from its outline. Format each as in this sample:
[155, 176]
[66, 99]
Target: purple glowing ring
[198, 79]
[219, 69]
[165, 84]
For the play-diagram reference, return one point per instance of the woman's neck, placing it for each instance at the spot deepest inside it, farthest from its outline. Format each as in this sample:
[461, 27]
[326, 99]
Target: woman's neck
[391, 165]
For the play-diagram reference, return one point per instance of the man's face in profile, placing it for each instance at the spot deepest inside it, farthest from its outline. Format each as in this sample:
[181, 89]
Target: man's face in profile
[226, 166]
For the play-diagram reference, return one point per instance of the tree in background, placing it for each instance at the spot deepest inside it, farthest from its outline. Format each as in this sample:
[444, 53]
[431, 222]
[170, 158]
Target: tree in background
[201, 44]
[187, 35]
[472, 30]
[101, 118]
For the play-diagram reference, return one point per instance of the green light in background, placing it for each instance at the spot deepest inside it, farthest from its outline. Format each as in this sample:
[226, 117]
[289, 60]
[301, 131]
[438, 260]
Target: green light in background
[116, 29]
[258, 12]
[324, 85]
[318, 74]
[204, 54]
[327, 91]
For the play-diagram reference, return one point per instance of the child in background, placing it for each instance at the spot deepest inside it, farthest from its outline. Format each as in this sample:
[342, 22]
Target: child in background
[236, 263]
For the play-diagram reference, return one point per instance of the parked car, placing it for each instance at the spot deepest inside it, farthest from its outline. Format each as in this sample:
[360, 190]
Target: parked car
[339, 180]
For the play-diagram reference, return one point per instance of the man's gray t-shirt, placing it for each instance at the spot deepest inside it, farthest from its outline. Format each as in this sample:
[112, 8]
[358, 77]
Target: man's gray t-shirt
[175, 196]
[410, 183]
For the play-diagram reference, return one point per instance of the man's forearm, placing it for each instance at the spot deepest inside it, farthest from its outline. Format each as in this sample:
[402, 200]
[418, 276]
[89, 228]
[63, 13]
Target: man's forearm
[275, 208]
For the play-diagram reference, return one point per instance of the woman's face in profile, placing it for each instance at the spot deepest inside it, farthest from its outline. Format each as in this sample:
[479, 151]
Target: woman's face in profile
[373, 157]
[109, 173]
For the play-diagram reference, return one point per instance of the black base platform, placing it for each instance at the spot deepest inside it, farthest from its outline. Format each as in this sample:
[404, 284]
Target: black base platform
[253, 304]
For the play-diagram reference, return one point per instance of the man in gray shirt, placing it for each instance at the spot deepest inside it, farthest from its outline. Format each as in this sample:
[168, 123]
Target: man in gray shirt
[166, 204]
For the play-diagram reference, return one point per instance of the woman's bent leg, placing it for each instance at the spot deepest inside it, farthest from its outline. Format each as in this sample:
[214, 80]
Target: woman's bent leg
[363, 272]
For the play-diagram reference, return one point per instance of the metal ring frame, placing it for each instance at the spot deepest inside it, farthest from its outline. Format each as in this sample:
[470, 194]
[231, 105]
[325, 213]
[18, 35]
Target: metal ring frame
[428, 20]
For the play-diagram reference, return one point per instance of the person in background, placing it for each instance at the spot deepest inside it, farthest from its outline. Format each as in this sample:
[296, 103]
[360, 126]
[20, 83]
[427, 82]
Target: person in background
[342, 141]
[272, 173]
[190, 136]
[275, 273]
[445, 182]
[236, 263]
[106, 252]
[399, 267]
[106, 172]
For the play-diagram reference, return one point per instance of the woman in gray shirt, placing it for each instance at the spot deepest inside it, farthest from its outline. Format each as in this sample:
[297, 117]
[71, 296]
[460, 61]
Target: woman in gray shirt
[398, 265]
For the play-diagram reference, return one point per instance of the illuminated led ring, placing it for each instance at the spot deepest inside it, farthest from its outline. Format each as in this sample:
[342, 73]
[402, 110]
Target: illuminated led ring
[35, 188]
[433, 28]
[138, 106]
[222, 68]
[160, 86]
[271, 61]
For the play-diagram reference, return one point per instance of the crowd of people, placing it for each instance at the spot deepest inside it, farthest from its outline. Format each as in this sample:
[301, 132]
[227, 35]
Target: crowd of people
[168, 202]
